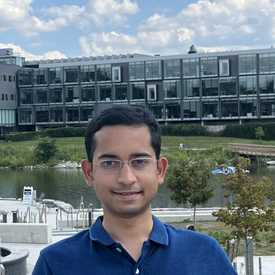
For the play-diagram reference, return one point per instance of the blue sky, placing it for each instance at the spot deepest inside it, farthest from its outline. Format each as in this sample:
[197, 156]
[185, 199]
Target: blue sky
[39, 29]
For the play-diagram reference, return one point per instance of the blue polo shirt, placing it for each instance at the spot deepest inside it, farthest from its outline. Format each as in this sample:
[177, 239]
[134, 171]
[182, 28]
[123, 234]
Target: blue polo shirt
[168, 251]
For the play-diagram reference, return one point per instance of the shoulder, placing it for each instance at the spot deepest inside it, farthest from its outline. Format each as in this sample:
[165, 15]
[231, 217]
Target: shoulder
[69, 245]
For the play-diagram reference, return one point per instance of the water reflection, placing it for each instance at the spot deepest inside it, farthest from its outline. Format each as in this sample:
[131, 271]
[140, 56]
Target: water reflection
[69, 186]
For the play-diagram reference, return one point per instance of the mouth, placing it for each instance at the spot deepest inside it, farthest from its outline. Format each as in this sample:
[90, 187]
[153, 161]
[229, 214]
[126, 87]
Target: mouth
[127, 194]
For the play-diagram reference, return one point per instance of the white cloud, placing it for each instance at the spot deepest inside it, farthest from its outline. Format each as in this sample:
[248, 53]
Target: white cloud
[18, 50]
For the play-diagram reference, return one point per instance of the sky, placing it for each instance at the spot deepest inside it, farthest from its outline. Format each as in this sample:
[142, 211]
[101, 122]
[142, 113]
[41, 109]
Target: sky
[49, 29]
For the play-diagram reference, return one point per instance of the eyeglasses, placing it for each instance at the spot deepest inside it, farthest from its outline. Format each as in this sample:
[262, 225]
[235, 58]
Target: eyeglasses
[110, 166]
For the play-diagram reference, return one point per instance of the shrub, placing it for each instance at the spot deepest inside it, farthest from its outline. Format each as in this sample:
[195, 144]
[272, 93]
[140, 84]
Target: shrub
[45, 150]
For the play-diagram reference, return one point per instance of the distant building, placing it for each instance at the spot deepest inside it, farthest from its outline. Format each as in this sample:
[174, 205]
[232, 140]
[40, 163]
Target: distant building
[8, 97]
[7, 57]
[220, 87]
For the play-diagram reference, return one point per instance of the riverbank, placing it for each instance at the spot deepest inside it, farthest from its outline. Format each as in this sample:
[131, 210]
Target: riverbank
[21, 154]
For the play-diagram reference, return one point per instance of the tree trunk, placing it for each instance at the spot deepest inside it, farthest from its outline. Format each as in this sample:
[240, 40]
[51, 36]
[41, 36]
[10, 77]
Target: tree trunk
[249, 256]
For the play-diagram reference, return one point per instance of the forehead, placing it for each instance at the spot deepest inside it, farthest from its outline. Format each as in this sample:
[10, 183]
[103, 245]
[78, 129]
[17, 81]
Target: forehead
[121, 139]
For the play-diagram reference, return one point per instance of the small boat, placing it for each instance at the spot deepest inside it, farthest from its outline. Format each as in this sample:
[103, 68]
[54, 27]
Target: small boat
[224, 170]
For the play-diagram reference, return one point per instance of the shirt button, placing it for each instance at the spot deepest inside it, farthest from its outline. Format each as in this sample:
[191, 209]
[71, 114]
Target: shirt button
[137, 271]
[118, 249]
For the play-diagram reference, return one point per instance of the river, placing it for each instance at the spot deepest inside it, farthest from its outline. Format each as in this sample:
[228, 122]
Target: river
[69, 186]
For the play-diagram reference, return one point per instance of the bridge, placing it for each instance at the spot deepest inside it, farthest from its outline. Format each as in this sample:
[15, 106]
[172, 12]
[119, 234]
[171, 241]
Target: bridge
[253, 149]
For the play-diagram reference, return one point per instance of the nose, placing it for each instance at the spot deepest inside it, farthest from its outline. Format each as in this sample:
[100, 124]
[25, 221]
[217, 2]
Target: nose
[126, 175]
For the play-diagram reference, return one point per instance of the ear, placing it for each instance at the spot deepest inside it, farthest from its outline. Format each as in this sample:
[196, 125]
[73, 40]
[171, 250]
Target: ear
[87, 169]
[162, 169]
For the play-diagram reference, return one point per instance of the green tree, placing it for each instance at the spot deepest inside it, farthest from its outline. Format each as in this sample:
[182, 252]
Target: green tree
[189, 181]
[45, 150]
[259, 133]
[249, 208]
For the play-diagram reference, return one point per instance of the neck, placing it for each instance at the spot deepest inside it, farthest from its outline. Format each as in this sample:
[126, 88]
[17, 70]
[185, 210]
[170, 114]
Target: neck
[124, 229]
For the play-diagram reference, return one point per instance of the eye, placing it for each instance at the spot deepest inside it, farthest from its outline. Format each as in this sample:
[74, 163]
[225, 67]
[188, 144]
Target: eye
[109, 164]
[140, 163]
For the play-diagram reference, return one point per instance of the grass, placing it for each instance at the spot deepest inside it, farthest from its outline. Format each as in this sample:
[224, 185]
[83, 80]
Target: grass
[18, 154]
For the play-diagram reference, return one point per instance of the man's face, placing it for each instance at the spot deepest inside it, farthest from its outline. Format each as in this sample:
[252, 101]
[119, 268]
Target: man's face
[126, 191]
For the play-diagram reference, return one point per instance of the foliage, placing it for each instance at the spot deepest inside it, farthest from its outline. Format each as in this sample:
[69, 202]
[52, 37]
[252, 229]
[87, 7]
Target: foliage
[249, 208]
[184, 130]
[259, 133]
[189, 180]
[21, 136]
[45, 150]
[64, 132]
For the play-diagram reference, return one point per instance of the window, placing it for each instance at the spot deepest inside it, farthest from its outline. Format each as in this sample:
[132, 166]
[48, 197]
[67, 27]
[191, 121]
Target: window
[86, 113]
[136, 70]
[191, 109]
[55, 75]
[87, 73]
[72, 115]
[41, 96]
[4, 77]
[6, 96]
[55, 95]
[103, 72]
[105, 93]
[3, 97]
[209, 66]
[121, 92]
[42, 116]
[88, 93]
[26, 96]
[224, 67]
[12, 96]
[190, 67]
[153, 69]
[229, 109]
[72, 94]
[10, 78]
[40, 76]
[171, 68]
[210, 87]
[192, 88]
[247, 64]
[138, 91]
[267, 63]
[210, 109]
[267, 84]
[116, 74]
[248, 108]
[152, 92]
[157, 111]
[25, 77]
[171, 89]
[248, 85]
[25, 116]
[56, 115]
[173, 111]
[267, 107]
[71, 74]
[228, 86]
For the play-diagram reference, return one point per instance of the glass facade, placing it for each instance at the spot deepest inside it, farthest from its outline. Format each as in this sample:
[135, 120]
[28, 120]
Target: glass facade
[103, 72]
[248, 85]
[88, 93]
[210, 87]
[137, 70]
[247, 64]
[171, 89]
[226, 86]
[87, 73]
[267, 84]
[7, 117]
[171, 68]
[153, 69]
[138, 91]
[191, 67]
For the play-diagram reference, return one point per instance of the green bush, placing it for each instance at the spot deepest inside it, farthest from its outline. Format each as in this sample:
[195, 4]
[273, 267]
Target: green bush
[184, 130]
[21, 136]
[45, 150]
[64, 132]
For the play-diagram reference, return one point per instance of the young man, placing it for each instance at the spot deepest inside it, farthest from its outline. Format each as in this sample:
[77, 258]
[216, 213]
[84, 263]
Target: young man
[125, 168]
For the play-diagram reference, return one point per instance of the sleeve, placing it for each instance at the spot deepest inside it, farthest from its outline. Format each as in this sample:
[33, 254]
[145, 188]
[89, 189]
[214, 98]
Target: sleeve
[42, 267]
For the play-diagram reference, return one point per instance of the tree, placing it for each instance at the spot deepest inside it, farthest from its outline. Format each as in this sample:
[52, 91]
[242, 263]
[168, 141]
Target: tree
[45, 150]
[249, 208]
[259, 133]
[189, 181]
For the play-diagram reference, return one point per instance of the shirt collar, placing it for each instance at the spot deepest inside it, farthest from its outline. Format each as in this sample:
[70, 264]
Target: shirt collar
[98, 233]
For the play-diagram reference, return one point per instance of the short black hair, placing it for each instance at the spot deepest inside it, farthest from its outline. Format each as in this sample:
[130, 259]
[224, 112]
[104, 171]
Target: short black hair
[123, 115]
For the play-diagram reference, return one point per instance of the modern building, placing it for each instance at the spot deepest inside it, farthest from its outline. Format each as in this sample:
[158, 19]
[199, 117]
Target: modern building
[8, 97]
[220, 87]
[8, 57]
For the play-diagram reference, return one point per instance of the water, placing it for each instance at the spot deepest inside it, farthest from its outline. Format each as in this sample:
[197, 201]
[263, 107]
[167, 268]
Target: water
[68, 185]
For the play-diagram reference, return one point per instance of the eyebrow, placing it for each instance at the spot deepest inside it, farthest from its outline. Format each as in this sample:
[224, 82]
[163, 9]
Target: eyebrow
[135, 155]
